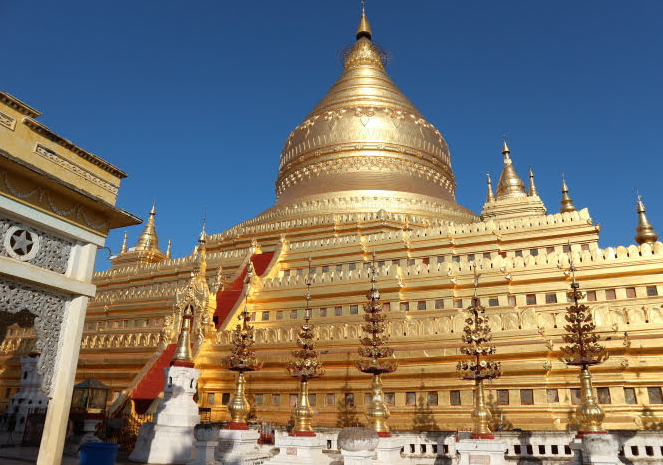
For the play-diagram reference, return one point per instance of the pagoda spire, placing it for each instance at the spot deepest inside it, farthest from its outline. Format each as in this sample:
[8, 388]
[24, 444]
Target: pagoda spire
[183, 356]
[123, 248]
[567, 202]
[510, 185]
[364, 28]
[169, 248]
[200, 260]
[489, 194]
[148, 240]
[532, 187]
[646, 234]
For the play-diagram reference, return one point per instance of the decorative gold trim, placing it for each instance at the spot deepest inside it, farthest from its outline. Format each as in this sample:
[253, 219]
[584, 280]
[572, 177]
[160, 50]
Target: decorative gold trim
[92, 158]
[75, 168]
[29, 193]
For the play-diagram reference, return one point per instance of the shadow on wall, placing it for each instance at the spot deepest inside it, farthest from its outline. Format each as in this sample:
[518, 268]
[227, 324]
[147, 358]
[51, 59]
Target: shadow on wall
[525, 439]
[499, 422]
[423, 419]
[650, 421]
[347, 410]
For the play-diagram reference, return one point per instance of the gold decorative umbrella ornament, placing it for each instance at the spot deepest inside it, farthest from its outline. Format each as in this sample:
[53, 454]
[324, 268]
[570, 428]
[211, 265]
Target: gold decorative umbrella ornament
[242, 359]
[374, 351]
[477, 338]
[305, 366]
[583, 350]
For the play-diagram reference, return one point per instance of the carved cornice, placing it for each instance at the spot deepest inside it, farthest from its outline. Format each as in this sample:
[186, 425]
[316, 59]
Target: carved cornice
[75, 168]
[18, 105]
[92, 158]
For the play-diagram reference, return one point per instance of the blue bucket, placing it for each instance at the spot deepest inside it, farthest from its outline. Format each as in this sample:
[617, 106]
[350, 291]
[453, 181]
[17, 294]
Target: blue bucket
[98, 453]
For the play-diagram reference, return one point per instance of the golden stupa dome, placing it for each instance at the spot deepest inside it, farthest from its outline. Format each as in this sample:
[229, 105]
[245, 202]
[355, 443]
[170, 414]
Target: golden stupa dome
[364, 148]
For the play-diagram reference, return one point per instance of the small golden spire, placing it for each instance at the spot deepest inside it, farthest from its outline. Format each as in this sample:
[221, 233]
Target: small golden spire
[364, 28]
[148, 240]
[646, 234]
[168, 248]
[510, 185]
[489, 195]
[123, 248]
[567, 203]
[183, 356]
[200, 259]
[505, 148]
[532, 188]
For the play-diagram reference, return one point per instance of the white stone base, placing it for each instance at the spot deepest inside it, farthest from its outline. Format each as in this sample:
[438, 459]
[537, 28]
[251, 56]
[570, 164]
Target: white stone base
[239, 447]
[358, 457]
[389, 451]
[169, 439]
[302, 450]
[163, 444]
[203, 453]
[480, 452]
[596, 449]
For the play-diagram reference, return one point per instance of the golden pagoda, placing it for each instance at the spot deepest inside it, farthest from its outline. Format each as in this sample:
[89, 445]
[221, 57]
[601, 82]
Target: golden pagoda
[366, 172]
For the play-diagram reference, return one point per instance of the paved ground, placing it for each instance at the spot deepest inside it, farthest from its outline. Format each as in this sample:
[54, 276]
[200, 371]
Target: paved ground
[12, 453]
[28, 455]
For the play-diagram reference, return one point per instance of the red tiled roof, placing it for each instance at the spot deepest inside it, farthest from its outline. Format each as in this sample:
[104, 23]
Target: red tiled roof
[154, 380]
[226, 299]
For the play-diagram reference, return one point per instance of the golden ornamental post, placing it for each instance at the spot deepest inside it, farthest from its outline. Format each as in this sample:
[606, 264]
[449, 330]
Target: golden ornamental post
[374, 350]
[305, 366]
[241, 360]
[583, 350]
[477, 336]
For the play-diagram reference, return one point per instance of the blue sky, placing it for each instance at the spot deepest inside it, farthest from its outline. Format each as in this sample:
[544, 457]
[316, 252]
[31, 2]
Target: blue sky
[195, 99]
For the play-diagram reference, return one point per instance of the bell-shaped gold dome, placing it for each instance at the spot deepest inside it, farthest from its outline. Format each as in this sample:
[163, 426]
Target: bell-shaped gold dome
[365, 147]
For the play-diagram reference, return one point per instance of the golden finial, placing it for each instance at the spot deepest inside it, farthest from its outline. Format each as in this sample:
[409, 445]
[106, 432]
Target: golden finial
[183, 356]
[202, 236]
[124, 243]
[489, 195]
[169, 248]
[510, 185]
[567, 202]
[505, 148]
[199, 260]
[532, 188]
[148, 240]
[646, 234]
[364, 28]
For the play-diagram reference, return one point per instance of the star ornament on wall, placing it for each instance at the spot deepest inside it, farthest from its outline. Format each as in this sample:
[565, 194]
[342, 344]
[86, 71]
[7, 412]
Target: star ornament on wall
[22, 242]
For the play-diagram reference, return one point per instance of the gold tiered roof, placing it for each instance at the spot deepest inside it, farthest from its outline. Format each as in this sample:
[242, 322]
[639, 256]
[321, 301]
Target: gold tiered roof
[365, 147]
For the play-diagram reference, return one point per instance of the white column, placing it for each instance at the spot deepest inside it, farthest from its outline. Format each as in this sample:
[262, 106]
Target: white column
[64, 373]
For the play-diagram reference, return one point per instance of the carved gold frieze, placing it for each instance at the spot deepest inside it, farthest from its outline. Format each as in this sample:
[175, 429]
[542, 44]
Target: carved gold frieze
[28, 192]
[75, 168]
[342, 165]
